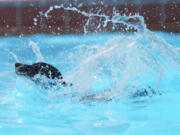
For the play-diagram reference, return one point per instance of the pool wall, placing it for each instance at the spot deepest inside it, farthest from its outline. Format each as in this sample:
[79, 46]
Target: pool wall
[26, 16]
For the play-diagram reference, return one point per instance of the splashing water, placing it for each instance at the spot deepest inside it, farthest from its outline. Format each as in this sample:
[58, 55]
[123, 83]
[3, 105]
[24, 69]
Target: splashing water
[123, 63]
[14, 56]
[36, 50]
[119, 64]
[126, 63]
[134, 22]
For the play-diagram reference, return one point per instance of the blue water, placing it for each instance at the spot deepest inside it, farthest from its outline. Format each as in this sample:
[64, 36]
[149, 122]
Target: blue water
[93, 63]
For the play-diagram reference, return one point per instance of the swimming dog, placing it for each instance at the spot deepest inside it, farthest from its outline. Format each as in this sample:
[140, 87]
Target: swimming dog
[47, 76]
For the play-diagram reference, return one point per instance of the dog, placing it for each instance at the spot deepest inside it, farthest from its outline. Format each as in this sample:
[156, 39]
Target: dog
[49, 77]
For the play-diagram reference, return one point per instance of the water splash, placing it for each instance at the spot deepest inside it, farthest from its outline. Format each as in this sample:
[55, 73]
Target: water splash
[131, 22]
[36, 50]
[126, 63]
[123, 63]
[14, 56]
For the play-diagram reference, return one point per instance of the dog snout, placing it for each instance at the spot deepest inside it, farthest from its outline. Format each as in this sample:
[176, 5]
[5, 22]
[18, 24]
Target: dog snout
[18, 65]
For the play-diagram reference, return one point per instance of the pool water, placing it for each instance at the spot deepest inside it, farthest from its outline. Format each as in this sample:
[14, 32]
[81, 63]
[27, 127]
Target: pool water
[121, 62]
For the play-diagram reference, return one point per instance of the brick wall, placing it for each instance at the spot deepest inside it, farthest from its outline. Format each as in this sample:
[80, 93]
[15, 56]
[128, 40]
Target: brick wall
[26, 17]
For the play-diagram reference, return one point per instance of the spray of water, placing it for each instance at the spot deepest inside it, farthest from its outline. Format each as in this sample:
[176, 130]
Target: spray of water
[36, 51]
[123, 63]
[135, 22]
[13, 55]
